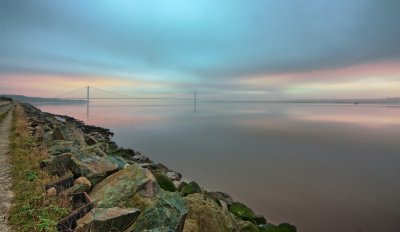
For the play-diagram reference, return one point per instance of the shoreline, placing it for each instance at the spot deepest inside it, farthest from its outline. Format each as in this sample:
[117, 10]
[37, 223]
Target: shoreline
[88, 151]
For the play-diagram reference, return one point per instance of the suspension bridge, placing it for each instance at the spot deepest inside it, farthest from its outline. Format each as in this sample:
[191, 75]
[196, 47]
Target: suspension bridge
[89, 93]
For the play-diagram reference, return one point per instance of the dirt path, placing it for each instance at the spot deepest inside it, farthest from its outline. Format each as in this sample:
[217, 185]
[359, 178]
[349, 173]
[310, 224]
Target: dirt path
[6, 193]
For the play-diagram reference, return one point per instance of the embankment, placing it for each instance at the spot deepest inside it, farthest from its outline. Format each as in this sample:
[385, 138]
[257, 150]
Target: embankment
[130, 192]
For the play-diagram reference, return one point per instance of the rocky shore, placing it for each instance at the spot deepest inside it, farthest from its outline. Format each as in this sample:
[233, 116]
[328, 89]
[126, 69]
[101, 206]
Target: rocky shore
[130, 192]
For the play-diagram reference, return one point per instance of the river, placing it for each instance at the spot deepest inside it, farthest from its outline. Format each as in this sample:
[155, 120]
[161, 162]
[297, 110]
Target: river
[324, 168]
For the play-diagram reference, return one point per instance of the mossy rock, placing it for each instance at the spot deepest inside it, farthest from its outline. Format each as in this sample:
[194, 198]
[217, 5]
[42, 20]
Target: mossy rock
[164, 182]
[243, 212]
[283, 227]
[205, 215]
[190, 188]
[260, 220]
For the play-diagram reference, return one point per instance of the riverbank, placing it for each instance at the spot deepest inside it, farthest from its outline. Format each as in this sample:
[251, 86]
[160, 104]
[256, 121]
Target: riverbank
[123, 182]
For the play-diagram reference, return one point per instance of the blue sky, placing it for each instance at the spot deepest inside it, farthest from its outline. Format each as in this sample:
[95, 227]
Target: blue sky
[205, 45]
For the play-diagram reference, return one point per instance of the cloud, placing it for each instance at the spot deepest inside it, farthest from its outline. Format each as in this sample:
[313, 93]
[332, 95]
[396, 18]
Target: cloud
[195, 43]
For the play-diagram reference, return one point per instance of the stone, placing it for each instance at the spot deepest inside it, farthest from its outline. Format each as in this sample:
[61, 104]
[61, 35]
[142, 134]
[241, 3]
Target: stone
[174, 176]
[165, 182]
[83, 180]
[89, 140]
[118, 160]
[190, 188]
[51, 191]
[260, 220]
[246, 226]
[60, 119]
[284, 227]
[77, 188]
[61, 133]
[168, 214]
[178, 185]
[94, 168]
[57, 165]
[221, 196]
[242, 211]
[133, 187]
[107, 219]
[61, 147]
[205, 215]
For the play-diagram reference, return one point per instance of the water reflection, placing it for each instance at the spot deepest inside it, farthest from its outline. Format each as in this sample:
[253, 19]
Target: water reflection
[322, 167]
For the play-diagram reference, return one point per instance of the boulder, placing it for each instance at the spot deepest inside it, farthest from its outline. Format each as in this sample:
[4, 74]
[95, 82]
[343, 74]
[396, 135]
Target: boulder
[132, 187]
[174, 176]
[168, 214]
[118, 160]
[77, 188]
[221, 196]
[246, 226]
[107, 220]
[164, 182]
[205, 215]
[61, 147]
[260, 220]
[61, 133]
[57, 165]
[83, 180]
[89, 140]
[242, 211]
[94, 168]
[283, 227]
[190, 188]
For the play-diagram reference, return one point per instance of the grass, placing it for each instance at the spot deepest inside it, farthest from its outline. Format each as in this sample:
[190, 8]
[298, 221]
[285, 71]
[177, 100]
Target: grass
[32, 209]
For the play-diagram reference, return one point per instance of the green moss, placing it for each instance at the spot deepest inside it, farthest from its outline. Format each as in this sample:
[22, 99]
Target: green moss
[243, 212]
[284, 227]
[165, 183]
[190, 188]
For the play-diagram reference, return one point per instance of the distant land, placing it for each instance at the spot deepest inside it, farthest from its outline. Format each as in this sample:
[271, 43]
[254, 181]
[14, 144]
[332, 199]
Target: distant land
[394, 101]
[318, 101]
[41, 100]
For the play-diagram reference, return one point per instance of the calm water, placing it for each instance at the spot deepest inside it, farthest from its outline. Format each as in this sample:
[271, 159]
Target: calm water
[324, 168]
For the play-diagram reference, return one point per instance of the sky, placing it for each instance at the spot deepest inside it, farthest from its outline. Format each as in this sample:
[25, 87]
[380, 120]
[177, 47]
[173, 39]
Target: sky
[225, 49]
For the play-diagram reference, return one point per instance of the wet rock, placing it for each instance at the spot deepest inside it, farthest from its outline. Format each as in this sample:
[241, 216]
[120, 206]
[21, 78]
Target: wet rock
[132, 187]
[168, 214]
[190, 188]
[107, 220]
[242, 211]
[93, 167]
[174, 176]
[83, 180]
[205, 215]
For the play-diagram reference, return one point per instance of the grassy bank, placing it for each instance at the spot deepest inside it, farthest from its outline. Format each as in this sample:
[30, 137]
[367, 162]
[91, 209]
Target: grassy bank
[32, 209]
